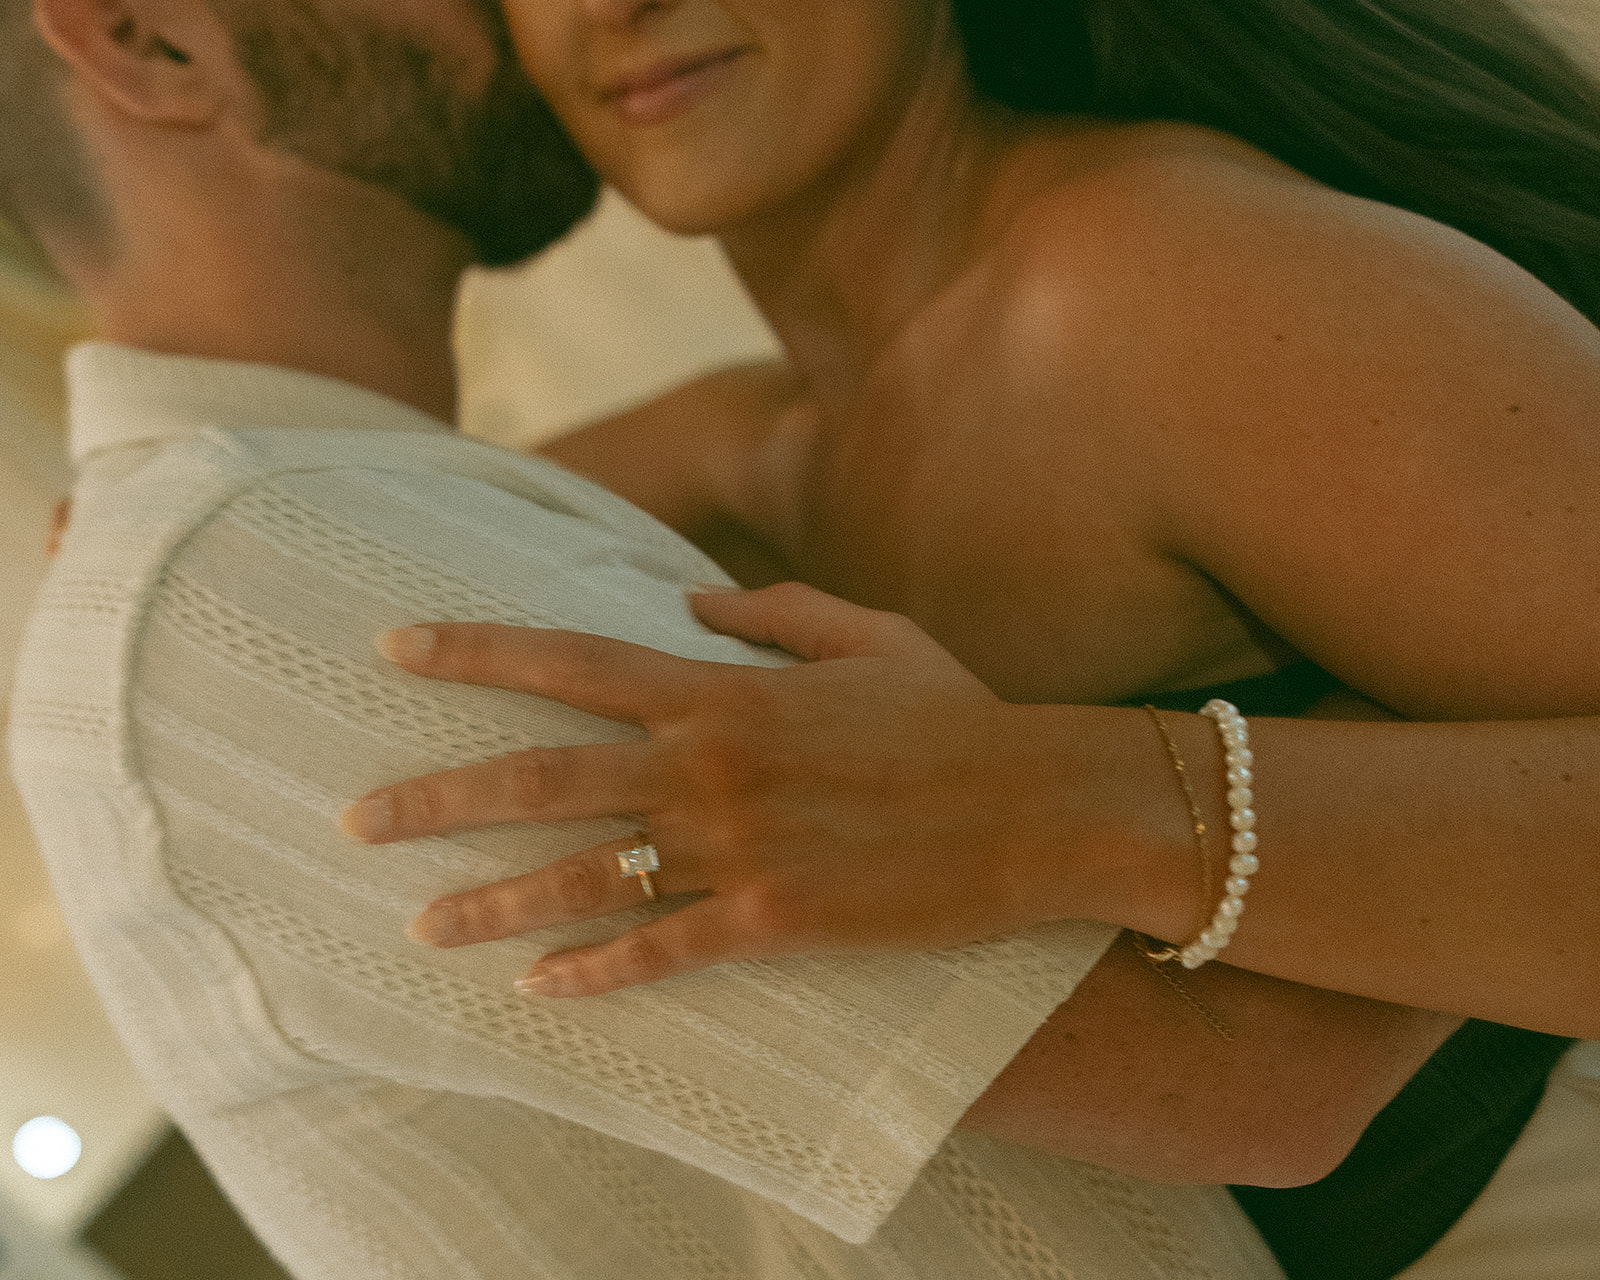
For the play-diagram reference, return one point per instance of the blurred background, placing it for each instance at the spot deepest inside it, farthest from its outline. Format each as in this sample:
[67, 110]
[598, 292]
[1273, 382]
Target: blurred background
[94, 1185]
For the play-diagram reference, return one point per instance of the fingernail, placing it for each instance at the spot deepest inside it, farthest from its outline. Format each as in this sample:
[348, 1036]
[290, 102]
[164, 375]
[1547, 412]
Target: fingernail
[438, 926]
[552, 982]
[716, 589]
[369, 819]
[409, 646]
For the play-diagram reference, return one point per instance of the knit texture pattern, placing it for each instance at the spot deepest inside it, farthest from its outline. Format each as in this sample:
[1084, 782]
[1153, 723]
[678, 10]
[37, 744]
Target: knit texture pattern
[199, 698]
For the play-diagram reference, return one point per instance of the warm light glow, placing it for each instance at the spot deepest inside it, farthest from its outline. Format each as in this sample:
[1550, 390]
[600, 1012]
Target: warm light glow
[46, 1147]
[39, 926]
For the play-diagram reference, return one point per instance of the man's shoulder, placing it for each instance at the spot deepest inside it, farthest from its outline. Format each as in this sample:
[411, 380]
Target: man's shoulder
[181, 481]
[138, 508]
[200, 692]
[414, 525]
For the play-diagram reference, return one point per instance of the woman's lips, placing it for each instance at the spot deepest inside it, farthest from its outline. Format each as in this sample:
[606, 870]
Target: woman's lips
[668, 88]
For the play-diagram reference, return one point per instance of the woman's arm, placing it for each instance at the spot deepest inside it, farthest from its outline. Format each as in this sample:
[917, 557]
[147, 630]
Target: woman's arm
[1449, 866]
[1125, 1075]
[879, 797]
[713, 459]
[1380, 437]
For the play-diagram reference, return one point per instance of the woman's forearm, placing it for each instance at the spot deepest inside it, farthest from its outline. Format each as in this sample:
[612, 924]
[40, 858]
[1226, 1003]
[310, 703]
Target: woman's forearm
[1445, 866]
[1127, 1076]
[880, 798]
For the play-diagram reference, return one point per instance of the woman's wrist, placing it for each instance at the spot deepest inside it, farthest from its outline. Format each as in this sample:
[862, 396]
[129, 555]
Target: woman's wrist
[1110, 836]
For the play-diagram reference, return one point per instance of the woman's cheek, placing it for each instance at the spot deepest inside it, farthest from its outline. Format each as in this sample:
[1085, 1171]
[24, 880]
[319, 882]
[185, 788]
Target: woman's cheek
[548, 43]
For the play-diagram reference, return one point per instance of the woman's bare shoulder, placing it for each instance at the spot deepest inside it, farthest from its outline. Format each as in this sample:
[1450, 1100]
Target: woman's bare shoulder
[1251, 282]
[1162, 212]
[1364, 424]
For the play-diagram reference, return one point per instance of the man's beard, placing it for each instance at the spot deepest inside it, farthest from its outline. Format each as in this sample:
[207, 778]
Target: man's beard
[348, 94]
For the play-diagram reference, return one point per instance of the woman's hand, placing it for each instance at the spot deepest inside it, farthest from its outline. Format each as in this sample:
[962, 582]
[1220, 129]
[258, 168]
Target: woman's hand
[878, 796]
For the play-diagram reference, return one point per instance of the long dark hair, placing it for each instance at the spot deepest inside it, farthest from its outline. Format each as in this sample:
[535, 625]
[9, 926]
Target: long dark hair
[1460, 110]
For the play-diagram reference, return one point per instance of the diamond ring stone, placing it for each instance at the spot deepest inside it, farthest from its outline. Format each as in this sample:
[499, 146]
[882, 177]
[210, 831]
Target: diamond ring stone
[640, 862]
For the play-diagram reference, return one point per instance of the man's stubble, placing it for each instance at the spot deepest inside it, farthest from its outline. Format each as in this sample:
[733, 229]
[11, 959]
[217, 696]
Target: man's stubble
[354, 96]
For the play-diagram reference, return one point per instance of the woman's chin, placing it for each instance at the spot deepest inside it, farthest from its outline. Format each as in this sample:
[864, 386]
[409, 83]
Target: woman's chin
[678, 202]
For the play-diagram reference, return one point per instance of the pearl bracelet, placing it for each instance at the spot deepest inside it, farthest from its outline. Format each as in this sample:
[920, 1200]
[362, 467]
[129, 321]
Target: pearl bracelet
[1235, 735]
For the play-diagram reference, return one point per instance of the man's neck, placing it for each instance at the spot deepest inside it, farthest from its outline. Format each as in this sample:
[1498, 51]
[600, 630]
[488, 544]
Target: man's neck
[369, 300]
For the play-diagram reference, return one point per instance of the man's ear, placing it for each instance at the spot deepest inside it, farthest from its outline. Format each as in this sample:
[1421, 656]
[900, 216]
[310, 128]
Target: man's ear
[154, 60]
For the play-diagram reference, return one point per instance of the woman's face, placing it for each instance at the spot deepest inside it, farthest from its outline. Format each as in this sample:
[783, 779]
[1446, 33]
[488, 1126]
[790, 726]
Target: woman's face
[707, 112]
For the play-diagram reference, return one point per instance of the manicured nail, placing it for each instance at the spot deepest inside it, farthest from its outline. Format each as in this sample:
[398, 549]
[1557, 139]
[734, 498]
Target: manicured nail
[409, 646]
[369, 819]
[438, 926]
[550, 981]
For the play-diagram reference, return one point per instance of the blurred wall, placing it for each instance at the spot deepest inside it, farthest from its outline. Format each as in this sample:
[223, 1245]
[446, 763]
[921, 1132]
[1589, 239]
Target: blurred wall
[38, 320]
[614, 315]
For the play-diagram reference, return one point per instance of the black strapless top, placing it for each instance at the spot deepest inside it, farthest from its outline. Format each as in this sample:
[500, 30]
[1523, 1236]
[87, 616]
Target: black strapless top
[1428, 1154]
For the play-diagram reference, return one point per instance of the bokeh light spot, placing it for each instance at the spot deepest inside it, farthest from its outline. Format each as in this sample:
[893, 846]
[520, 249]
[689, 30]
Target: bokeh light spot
[46, 1147]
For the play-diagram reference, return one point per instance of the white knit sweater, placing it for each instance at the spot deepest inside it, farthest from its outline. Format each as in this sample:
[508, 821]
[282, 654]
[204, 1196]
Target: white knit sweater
[198, 698]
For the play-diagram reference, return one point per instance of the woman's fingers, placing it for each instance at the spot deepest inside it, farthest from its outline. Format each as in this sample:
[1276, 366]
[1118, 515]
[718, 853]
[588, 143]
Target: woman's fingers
[547, 784]
[606, 677]
[814, 625]
[702, 935]
[585, 886]
[776, 785]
